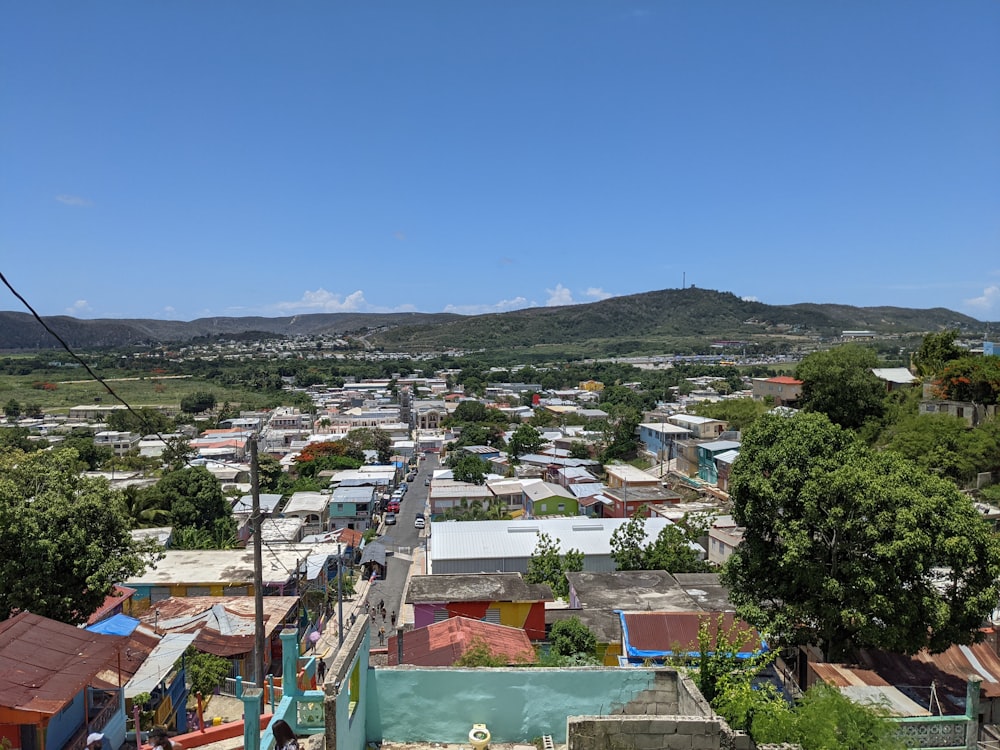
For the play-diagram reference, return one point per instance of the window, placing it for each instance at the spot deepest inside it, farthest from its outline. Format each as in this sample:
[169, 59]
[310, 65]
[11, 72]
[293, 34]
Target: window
[492, 616]
[440, 615]
[159, 593]
[960, 411]
[354, 688]
[562, 507]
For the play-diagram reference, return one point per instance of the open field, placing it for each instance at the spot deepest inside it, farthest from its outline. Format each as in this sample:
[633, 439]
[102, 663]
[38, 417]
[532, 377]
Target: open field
[138, 390]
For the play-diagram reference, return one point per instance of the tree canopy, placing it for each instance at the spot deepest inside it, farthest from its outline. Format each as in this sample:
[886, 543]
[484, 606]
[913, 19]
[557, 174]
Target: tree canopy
[840, 384]
[526, 439]
[468, 467]
[975, 379]
[850, 548]
[194, 498]
[669, 551]
[64, 539]
[547, 565]
[936, 350]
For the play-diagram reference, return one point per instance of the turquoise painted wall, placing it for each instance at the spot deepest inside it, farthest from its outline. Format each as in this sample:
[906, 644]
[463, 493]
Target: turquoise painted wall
[352, 730]
[517, 705]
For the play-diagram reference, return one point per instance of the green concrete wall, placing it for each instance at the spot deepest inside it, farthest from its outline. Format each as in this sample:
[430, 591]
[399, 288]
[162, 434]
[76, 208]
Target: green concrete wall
[350, 725]
[517, 705]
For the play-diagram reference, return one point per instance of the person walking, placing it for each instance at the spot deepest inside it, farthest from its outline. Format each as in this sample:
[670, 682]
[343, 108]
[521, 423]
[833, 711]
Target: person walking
[393, 618]
[158, 736]
[321, 671]
[383, 617]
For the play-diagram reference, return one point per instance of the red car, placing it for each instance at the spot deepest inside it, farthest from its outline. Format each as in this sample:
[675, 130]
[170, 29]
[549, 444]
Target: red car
[393, 506]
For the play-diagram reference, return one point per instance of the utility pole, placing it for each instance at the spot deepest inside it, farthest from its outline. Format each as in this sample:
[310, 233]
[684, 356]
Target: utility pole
[340, 597]
[258, 566]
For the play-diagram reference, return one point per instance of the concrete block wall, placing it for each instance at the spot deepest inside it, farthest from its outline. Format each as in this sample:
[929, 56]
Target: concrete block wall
[649, 733]
[662, 698]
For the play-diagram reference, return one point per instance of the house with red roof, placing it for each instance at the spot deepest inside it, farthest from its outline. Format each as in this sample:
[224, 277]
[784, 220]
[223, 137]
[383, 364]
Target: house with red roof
[782, 390]
[443, 643]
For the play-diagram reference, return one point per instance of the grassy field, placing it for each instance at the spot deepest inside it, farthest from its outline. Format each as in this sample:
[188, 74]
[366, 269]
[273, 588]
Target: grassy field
[72, 389]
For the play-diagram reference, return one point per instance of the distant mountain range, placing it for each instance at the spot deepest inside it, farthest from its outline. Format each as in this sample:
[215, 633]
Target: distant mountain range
[652, 317]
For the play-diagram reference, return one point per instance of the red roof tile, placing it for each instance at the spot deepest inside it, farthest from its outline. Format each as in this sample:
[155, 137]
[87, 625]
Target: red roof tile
[784, 380]
[443, 643]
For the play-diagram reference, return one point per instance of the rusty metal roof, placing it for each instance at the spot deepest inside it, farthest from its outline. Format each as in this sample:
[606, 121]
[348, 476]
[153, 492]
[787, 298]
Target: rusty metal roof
[224, 624]
[44, 664]
[651, 635]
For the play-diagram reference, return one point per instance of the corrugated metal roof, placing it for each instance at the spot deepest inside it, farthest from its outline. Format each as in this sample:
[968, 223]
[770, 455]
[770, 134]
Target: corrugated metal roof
[44, 664]
[159, 663]
[471, 540]
[658, 634]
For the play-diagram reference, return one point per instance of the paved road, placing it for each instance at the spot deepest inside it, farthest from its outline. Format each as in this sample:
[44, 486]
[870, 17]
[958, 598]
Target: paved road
[402, 539]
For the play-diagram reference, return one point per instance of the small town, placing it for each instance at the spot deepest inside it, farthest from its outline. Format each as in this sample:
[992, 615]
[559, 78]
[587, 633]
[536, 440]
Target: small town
[499, 375]
[439, 560]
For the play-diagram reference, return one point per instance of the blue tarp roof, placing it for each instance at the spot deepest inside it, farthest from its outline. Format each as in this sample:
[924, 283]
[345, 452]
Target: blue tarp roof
[116, 625]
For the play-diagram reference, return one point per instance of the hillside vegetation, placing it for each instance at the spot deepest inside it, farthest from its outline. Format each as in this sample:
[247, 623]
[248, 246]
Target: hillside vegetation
[671, 318]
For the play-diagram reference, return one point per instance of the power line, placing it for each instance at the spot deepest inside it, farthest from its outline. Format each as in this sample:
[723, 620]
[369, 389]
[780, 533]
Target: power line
[142, 419]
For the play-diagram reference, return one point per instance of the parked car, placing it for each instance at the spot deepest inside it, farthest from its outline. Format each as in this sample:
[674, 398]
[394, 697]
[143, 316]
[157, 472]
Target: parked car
[427, 482]
[419, 522]
[390, 519]
[393, 506]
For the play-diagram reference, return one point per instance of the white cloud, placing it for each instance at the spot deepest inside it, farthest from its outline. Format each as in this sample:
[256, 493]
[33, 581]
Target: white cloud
[79, 307]
[169, 310]
[595, 292]
[324, 301]
[559, 296]
[749, 298]
[987, 301]
[504, 305]
[74, 200]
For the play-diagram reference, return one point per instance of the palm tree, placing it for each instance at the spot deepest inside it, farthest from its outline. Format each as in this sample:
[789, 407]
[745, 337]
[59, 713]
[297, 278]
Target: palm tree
[143, 509]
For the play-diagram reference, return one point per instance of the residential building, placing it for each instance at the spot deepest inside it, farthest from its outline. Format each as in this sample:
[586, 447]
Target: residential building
[626, 475]
[628, 501]
[352, 506]
[120, 442]
[547, 499]
[659, 439]
[506, 546]
[49, 697]
[708, 471]
[441, 644]
[895, 378]
[225, 626]
[312, 508]
[781, 390]
[724, 536]
[499, 598]
[701, 428]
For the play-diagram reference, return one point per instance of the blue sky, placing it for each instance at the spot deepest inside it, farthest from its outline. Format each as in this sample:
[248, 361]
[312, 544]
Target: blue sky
[183, 159]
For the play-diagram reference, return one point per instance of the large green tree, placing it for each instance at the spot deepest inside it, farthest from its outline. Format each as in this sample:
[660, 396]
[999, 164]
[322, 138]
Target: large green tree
[548, 565]
[64, 539]
[845, 547]
[936, 351]
[526, 439]
[669, 551]
[468, 467]
[194, 498]
[944, 445]
[840, 384]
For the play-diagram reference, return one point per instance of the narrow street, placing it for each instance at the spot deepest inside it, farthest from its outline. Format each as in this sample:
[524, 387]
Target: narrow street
[403, 544]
